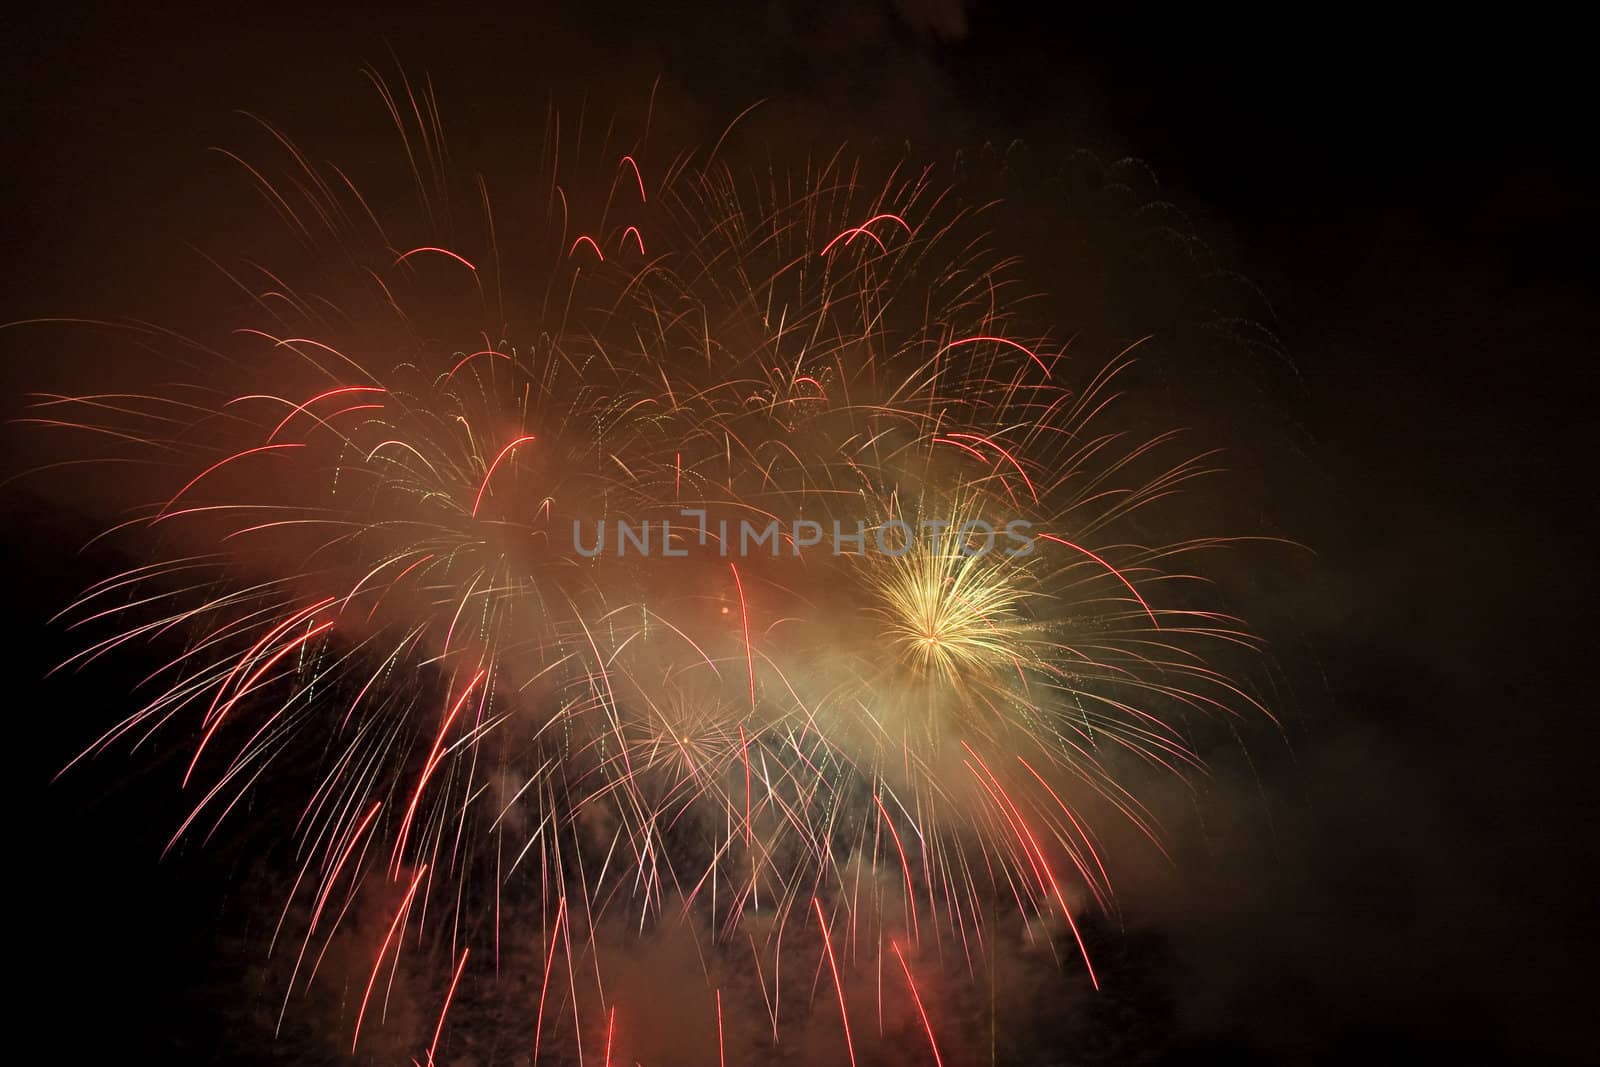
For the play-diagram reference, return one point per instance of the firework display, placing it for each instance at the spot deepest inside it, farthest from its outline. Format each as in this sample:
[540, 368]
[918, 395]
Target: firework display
[720, 553]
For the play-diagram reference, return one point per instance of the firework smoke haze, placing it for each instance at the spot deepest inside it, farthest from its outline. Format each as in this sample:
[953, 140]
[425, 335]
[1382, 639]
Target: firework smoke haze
[394, 773]
[895, 752]
[832, 798]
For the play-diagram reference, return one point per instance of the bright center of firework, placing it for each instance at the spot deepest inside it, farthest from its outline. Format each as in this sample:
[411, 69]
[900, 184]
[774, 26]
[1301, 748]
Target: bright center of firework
[953, 615]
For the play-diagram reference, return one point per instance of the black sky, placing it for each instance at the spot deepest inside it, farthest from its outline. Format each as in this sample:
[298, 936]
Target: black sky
[1411, 203]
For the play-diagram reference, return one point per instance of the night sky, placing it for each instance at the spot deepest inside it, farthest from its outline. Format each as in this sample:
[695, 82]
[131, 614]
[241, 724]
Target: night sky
[1404, 873]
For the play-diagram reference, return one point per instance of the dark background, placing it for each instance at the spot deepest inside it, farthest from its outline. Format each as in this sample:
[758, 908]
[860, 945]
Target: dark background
[1409, 200]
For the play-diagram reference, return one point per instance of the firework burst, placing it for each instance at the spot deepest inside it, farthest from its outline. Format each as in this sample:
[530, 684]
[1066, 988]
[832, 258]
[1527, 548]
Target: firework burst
[554, 563]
